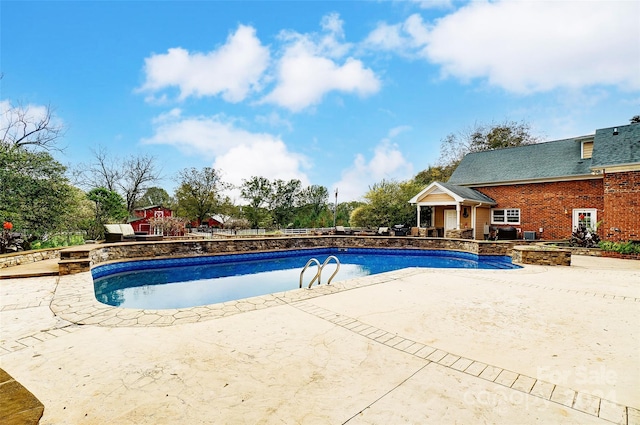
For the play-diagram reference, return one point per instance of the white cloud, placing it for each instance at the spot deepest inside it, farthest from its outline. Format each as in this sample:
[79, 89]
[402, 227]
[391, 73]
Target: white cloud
[537, 46]
[233, 70]
[433, 4]
[265, 157]
[237, 153]
[309, 69]
[527, 46]
[387, 162]
[387, 37]
[274, 119]
[407, 38]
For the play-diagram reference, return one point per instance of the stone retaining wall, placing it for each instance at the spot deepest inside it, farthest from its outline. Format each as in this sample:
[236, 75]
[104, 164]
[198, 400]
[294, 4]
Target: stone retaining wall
[541, 256]
[132, 250]
[459, 233]
[26, 257]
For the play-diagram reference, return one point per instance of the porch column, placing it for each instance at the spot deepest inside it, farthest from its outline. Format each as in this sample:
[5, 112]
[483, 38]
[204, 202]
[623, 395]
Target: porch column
[458, 216]
[418, 208]
[473, 221]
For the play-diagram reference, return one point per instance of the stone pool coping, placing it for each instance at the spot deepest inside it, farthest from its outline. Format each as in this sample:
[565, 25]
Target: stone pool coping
[74, 300]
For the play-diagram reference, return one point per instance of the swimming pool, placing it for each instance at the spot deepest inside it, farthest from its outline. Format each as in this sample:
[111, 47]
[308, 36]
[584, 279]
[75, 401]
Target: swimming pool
[196, 281]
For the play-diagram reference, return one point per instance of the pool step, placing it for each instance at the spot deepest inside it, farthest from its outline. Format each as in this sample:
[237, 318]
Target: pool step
[75, 260]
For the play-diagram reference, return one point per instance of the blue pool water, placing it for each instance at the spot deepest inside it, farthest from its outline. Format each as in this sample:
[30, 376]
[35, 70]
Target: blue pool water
[196, 281]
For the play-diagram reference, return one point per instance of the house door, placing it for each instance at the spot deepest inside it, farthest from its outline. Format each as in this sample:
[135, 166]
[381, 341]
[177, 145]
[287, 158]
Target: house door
[450, 219]
[586, 216]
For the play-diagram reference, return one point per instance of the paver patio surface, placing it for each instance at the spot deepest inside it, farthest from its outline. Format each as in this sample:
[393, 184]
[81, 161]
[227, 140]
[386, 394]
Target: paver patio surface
[535, 345]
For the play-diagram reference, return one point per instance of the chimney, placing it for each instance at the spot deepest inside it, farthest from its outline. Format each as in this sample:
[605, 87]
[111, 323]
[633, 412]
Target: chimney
[615, 131]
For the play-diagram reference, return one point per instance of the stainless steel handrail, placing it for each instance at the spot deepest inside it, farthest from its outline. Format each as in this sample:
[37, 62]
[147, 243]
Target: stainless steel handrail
[324, 264]
[317, 276]
[319, 272]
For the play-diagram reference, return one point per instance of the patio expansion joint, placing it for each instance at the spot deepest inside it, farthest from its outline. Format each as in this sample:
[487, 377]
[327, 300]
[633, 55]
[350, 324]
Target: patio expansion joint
[10, 346]
[583, 402]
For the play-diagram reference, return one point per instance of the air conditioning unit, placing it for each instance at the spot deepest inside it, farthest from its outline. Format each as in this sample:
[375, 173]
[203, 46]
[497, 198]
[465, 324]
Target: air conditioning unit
[529, 236]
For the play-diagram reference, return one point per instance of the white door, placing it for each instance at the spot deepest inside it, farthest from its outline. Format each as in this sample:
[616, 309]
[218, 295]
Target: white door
[450, 219]
[586, 216]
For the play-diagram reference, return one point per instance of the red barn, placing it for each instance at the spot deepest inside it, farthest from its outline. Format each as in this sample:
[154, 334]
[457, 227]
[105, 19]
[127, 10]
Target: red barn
[142, 215]
[210, 222]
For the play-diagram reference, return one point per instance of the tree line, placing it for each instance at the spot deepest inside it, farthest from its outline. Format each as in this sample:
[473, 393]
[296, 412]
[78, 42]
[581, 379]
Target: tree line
[40, 197]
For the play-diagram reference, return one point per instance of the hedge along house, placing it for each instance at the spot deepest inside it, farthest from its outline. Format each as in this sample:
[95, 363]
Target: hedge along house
[543, 190]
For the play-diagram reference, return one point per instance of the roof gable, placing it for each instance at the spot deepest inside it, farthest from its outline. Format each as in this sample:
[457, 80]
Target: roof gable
[448, 193]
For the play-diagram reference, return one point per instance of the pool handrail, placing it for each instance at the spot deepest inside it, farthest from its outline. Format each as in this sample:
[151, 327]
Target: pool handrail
[324, 264]
[320, 268]
[317, 276]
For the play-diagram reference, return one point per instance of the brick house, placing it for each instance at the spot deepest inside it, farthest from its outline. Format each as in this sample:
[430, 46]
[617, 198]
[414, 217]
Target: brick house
[543, 191]
[140, 222]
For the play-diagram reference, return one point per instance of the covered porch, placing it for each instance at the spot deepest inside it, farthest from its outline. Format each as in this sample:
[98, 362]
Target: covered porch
[447, 210]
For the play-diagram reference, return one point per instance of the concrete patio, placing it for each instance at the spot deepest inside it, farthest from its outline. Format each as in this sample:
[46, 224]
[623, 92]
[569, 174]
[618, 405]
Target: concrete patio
[535, 345]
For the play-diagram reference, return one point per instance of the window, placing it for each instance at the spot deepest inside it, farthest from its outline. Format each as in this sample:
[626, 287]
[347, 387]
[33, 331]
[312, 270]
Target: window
[585, 216]
[506, 216]
[587, 149]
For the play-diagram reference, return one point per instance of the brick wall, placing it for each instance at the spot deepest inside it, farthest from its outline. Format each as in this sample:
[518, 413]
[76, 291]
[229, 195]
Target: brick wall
[622, 206]
[549, 205]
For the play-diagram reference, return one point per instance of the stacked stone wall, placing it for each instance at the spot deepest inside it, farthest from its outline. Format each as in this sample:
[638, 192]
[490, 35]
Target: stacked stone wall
[541, 256]
[125, 251]
[26, 257]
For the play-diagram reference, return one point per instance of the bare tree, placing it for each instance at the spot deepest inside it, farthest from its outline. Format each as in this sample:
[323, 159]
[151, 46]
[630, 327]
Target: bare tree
[130, 177]
[29, 126]
[483, 137]
[105, 171]
[139, 172]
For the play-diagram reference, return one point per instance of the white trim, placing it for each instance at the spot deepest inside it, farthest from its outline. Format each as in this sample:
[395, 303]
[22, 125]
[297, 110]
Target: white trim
[437, 188]
[582, 143]
[456, 221]
[575, 217]
[506, 215]
[618, 168]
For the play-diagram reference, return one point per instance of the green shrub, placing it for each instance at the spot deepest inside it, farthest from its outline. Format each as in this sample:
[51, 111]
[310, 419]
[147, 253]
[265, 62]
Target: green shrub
[621, 247]
[58, 241]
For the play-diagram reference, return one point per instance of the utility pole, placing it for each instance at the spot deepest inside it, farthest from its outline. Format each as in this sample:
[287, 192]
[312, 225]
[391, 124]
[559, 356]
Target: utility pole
[335, 209]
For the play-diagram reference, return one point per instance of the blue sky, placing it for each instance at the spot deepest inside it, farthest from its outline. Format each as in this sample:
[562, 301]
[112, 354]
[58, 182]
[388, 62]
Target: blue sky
[340, 94]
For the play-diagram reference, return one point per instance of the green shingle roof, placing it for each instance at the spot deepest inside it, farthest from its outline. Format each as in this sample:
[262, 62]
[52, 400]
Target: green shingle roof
[560, 158]
[468, 193]
[621, 149]
[550, 160]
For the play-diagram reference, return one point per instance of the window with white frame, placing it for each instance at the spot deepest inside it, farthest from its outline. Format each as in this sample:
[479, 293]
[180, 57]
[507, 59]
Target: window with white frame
[585, 216]
[505, 216]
